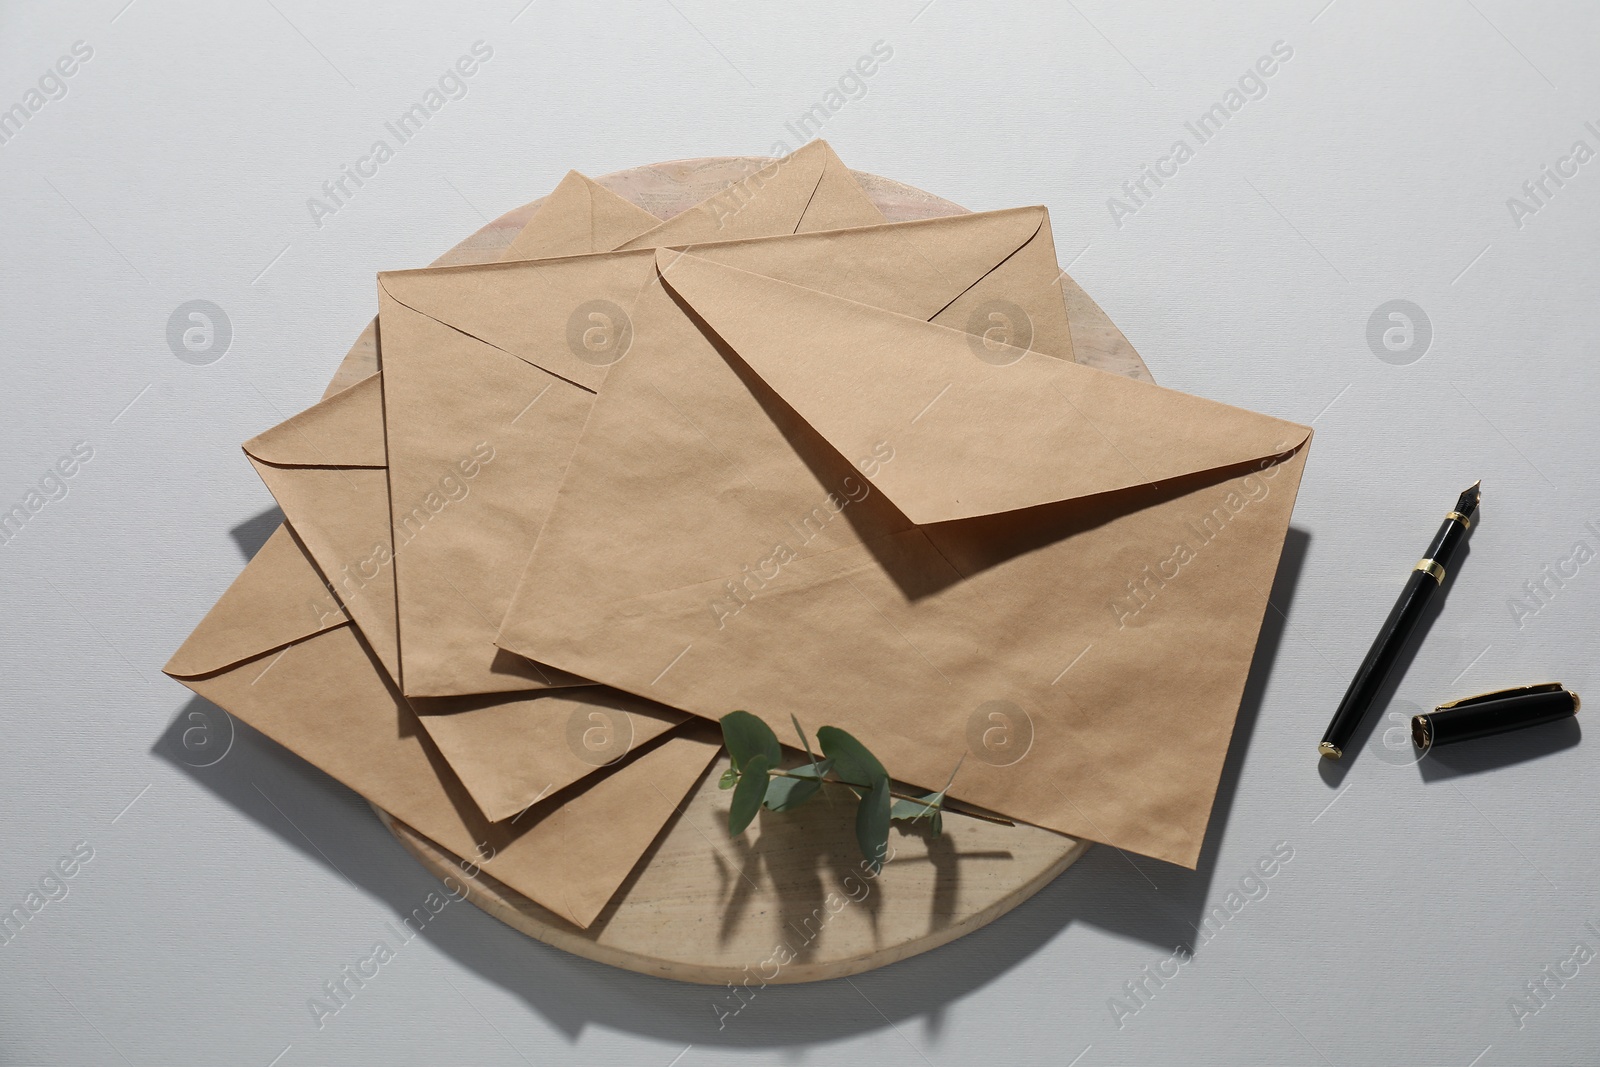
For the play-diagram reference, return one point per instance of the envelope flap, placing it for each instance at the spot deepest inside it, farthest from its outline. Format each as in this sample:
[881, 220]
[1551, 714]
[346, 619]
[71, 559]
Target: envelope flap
[770, 199]
[578, 217]
[839, 201]
[345, 430]
[341, 518]
[278, 599]
[971, 434]
[511, 751]
[542, 311]
[915, 268]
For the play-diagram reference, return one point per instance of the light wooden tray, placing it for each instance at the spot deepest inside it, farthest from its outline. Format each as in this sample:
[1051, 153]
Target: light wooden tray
[787, 901]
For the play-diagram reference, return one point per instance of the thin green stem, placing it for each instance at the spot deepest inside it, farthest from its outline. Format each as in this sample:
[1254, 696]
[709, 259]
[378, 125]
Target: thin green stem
[898, 796]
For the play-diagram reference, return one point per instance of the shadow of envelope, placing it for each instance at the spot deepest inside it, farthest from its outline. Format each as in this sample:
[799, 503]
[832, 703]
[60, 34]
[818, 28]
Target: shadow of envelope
[1057, 572]
[490, 371]
[309, 682]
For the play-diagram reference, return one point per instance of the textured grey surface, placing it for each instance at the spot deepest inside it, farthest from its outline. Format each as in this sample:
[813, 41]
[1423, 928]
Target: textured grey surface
[1419, 900]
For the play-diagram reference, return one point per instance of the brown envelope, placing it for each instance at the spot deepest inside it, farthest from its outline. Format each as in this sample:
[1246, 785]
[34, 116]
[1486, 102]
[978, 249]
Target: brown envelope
[808, 190]
[315, 687]
[513, 750]
[276, 601]
[451, 605]
[578, 217]
[327, 469]
[280, 600]
[1057, 571]
[492, 369]
[327, 466]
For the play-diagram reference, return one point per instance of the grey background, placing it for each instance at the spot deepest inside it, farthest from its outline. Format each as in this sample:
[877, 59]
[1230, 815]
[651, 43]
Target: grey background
[1419, 900]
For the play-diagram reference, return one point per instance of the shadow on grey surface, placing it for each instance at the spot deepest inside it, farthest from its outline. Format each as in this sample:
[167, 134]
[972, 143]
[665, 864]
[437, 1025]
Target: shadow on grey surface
[253, 532]
[1155, 902]
[1503, 750]
[1334, 771]
[1160, 903]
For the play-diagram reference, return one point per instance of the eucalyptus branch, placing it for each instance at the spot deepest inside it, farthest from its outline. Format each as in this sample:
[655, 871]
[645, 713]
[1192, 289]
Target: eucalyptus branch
[931, 807]
[758, 782]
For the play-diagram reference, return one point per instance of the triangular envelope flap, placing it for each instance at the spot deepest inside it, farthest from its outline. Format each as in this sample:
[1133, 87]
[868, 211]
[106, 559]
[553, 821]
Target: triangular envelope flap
[578, 217]
[459, 445]
[342, 518]
[540, 310]
[328, 703]
[527, 308]
[970, 437]
[1029, 281]
[770, 199]
[511, 752]
[278, 599]
[345, 430]
[915, 268]
[839, 200]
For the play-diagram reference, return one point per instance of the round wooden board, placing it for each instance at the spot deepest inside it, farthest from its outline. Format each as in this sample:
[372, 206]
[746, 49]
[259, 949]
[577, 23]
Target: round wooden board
[787, 901]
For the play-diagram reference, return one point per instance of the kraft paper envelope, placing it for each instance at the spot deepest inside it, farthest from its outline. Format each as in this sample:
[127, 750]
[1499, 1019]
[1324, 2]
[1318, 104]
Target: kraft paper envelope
[446, 642]
[280, 601]
[500, 363]
[808, 190]
[509, 751]
[327, 468]
[578, 217]
[316, 688]
[1057, 571]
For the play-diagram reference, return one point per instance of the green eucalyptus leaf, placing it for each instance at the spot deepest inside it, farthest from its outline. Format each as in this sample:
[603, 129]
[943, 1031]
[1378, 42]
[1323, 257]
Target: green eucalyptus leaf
[784, 794]
[872, 824]
[938, 824]
[803, 742]
[746, 737]
[748, 794]
[815, 770]
[917, 809]
[851, 760]
[729, 779]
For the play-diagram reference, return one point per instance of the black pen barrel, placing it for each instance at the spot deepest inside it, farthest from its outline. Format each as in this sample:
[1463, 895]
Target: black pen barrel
[1386, 649]
[1446, 543]
[1425, 580]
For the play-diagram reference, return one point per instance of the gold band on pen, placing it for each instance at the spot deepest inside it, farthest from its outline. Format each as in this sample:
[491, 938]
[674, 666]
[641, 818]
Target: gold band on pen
[1422, 732]
[1431, 568]
[1462, 519]
[1330, 751]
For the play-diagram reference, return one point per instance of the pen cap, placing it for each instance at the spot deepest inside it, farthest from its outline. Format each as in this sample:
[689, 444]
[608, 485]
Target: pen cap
[1493, 713]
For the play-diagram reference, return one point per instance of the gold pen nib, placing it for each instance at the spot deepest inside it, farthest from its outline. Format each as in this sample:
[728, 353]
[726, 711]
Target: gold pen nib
[1467, 503]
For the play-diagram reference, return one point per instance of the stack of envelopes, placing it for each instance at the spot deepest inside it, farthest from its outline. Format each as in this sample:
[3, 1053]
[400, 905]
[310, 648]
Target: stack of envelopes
[776, 454]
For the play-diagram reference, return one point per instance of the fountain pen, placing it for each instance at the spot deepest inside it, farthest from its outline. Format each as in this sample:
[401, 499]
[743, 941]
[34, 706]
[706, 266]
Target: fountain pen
[1425, 580]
